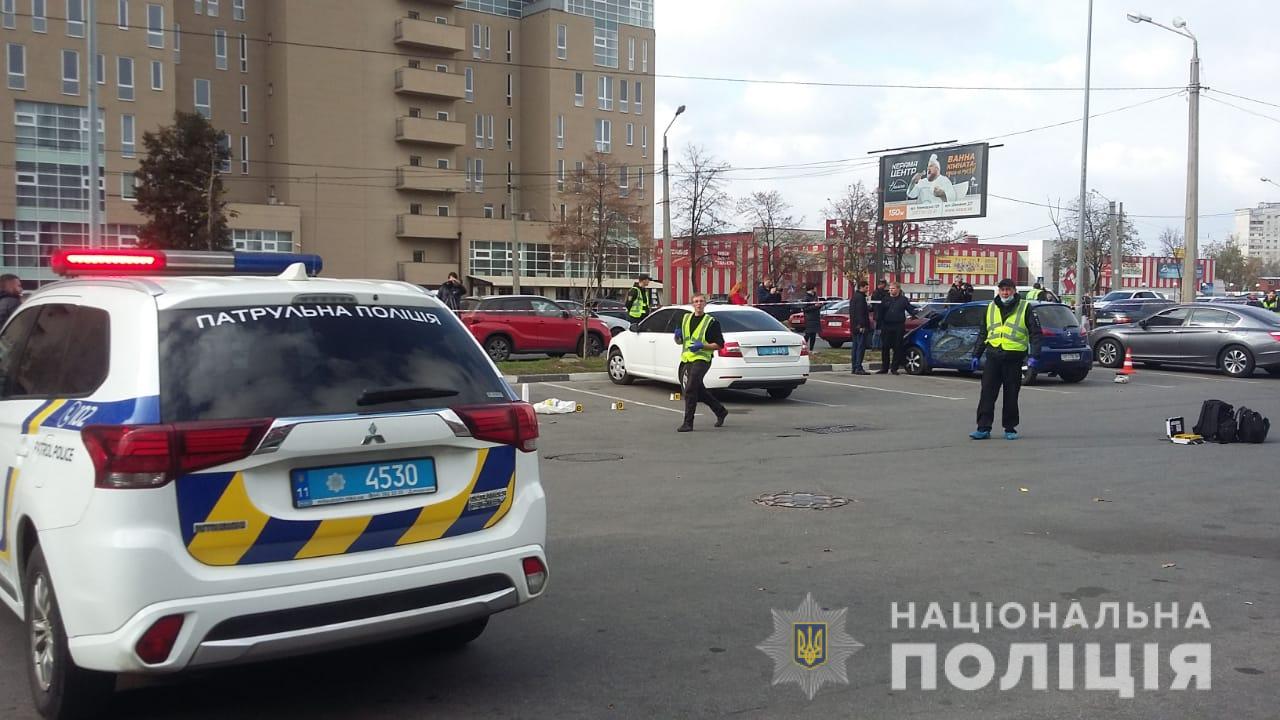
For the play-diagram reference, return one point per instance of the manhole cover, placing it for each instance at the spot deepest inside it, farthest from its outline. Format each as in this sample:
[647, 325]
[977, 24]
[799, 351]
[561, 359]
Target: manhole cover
[802, 500]
[829, 429]
[586, 457]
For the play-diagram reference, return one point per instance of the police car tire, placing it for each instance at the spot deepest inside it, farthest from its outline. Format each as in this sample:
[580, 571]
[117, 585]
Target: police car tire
[780, 393]
[73, 692]
[455, 636]
[619, 375]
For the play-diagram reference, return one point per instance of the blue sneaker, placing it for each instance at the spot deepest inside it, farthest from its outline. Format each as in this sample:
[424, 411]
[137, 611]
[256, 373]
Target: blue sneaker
[1010, 434]
[980, 434]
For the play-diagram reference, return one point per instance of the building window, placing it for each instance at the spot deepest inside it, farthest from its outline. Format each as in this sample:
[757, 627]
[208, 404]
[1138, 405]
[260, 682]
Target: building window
[639, 98]
[644, 141]
[220, 49]
[631, 134]
[128, 186]
[203, 102]
[262, 240]
[157, 75]
[509, 187]
[622, 96]
[562, 42]
[604, 92]
[470, 173]
[624, 181]
[560, 175]
[128, 143]
[508, 89]
[470, 76]
[442, 163]
[75, 18]
[478, 180]
[237, 10]
[100, 69]
[479, 131]
[560, 132]
[177, 44]
[124, 78]
[604, 135]
[631, 54]
[244, 103]
[211, 8]
[122, 14]
[488, 211]
[480, 41]
[39, 22]
[578, 83]
[17, 59]
[244, 154]
[644, 57]
[640, 178]
[199, 6]
[509, 45]
[70, 72]
[606, 43]
[244, 53]
[442, 115]
[489, 124]
[442, 210]
[511, 133]
[155, 26]
[577, 176]
[224, 144]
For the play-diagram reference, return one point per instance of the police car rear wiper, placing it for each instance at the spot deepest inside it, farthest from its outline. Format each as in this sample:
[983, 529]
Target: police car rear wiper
[390, 395]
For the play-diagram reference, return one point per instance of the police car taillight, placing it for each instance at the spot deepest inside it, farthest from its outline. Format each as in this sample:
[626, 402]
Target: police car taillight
[149, 456]
[535, 574]
[504, 423]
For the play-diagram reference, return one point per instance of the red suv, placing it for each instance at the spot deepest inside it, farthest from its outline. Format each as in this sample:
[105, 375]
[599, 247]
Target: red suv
[509, 324]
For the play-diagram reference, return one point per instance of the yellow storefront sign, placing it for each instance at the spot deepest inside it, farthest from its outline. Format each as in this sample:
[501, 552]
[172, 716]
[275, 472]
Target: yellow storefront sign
[963, 265]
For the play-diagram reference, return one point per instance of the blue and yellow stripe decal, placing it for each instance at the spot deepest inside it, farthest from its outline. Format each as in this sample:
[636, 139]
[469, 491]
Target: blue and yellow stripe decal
[6, 504]
[241, 534]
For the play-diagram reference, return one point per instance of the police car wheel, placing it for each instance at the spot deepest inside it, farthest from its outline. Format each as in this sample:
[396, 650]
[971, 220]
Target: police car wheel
[617, 367]
[60, 690]
[456, 636]
[780, 393]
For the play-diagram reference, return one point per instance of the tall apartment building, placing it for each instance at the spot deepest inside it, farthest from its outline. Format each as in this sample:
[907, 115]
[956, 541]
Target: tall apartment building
[1258, 231]
[393, 137]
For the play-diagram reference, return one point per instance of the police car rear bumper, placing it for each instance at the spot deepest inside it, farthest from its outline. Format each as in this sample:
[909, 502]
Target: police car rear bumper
[292, 620]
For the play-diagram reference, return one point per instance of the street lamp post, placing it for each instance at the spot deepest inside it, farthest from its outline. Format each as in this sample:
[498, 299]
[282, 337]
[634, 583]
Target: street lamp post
[1082, 276]
[1192, 223]
[667, 285]
[1269, 180]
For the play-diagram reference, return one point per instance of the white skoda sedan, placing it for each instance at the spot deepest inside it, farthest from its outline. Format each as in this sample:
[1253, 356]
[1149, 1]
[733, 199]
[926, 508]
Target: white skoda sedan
[759, 352]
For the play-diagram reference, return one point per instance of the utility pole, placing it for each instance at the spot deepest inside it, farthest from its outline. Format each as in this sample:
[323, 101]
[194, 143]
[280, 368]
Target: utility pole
[1190, 259]
[1117, 248]
[95, 162]
[515, 245]
[213, 174]
[1082, 275]
[1111, 233]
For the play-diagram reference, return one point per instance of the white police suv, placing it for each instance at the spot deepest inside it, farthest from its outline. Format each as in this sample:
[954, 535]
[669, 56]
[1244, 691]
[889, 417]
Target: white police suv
[207, 470]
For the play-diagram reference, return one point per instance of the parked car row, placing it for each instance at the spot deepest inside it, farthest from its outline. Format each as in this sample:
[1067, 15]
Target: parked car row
[1233, 338]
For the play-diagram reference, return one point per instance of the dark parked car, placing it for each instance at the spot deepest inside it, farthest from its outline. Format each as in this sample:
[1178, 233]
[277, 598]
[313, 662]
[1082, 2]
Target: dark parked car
[1128, 311]
[616, 325]
[614, 308]
[948, 338]
[1234, 338]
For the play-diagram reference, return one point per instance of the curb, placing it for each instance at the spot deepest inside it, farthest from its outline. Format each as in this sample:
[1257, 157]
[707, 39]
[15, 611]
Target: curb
[585, 377]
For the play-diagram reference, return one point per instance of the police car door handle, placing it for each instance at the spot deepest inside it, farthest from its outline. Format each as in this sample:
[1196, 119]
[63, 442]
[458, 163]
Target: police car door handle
[23, 448]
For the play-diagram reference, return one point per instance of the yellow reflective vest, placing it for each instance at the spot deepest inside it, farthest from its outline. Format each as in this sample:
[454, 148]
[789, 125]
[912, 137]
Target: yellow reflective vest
[1009, 333]
[698, 333]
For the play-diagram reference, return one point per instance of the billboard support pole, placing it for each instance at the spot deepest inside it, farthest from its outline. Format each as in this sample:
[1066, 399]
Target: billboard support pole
[880, 231]
[1081, 275]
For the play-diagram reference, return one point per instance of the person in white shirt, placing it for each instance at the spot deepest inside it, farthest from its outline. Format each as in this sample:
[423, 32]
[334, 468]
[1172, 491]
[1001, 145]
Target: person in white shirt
[931, 186]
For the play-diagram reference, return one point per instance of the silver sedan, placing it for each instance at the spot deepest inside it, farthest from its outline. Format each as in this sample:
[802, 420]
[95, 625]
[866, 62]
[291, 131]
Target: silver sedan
[1236, 339]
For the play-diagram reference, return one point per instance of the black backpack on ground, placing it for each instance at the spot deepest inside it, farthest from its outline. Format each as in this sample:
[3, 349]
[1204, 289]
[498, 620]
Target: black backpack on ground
[1217, 422]
[1251, 426]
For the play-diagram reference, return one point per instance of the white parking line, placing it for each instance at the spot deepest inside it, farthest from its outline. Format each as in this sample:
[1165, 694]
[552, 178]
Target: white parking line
[887, 390]
[1197, 378]
[614, 397]
[811, 402]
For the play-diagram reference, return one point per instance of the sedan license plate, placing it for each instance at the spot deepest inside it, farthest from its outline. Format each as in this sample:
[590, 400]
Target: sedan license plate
[771, 351]
[367, 481]
[835, 323]
[1069, 357]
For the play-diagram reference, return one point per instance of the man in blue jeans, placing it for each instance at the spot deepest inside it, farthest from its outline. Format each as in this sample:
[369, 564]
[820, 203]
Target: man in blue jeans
[859, 326]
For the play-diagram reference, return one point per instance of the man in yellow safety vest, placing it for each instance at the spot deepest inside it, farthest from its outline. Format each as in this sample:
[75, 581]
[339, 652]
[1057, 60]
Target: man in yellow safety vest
[1010, 338]
[638, 299]
[700, 336]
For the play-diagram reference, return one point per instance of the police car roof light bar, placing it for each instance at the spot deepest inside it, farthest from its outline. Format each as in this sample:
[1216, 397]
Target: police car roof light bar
[137, 261]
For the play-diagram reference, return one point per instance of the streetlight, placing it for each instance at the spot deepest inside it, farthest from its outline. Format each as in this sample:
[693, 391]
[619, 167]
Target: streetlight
[1081, 276]
[1189, 261]
[667, 284]
[1269, 180]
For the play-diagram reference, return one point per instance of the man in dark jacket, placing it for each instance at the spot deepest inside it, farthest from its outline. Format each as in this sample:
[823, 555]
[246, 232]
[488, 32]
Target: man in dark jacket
[955, 295]
[10, 295]
[878, 296]
[452, 292]
[1010, 338]
[773, 305]
[859, 326]
[968, 292]
[812, 316]
[762, 293]
[891, 316]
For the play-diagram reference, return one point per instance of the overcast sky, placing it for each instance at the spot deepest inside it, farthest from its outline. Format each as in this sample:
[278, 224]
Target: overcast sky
[1137, 155]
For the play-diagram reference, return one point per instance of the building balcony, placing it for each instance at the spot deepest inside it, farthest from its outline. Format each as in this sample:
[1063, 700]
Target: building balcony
[430, 132]
[430, 83]
[430, 35]
[429, 227]
[427, 179]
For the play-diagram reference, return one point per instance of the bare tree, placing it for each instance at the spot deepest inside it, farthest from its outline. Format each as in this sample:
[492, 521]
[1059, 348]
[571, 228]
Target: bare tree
[771, 218]
[854, 215]
[602, 222]
[701, 204]
[1170, 242]
[1097, 239]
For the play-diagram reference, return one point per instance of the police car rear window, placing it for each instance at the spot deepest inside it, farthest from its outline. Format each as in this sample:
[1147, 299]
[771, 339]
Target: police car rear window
[302, 360]
[1056, 317]
[748, 321]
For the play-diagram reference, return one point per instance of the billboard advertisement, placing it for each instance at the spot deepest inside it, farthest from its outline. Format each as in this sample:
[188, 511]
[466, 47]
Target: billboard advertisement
[938, 184]
[1173, 271]
[964, 265]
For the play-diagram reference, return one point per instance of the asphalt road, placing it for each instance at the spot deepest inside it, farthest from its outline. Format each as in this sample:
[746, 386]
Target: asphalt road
[664, 572]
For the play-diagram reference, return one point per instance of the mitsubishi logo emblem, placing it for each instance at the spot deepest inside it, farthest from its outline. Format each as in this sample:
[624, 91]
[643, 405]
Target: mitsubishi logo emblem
[373, 438]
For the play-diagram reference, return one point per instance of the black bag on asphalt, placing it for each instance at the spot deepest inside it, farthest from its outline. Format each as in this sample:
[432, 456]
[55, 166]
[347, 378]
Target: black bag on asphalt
[1217, 422]
[1251, 426]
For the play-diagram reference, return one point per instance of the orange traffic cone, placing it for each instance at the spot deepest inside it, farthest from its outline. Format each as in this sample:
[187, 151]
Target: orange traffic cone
[1128, 362]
